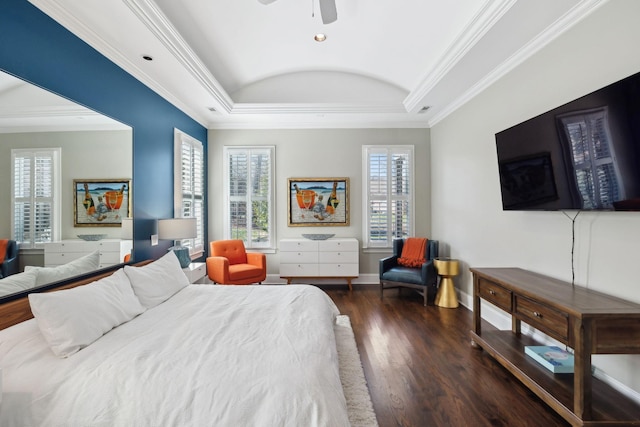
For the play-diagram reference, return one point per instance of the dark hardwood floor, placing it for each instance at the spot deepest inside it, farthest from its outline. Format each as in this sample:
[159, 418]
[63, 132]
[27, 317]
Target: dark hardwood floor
[422, 371]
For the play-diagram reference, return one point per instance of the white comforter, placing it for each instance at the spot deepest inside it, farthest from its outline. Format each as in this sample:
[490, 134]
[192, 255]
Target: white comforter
[209, 356]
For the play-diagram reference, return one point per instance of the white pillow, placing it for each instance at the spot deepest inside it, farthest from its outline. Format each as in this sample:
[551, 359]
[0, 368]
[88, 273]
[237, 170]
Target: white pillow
[85, 264]
[157, 282]
[18, 282]
[72, 319]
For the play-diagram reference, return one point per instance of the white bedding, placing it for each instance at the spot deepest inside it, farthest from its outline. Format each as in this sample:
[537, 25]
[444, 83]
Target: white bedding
[208, 356]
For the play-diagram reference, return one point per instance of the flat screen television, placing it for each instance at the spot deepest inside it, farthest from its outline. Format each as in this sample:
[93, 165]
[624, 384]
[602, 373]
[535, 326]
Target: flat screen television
[583, 155]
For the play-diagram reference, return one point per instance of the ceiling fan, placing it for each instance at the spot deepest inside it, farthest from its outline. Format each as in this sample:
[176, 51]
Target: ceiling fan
[327, 10]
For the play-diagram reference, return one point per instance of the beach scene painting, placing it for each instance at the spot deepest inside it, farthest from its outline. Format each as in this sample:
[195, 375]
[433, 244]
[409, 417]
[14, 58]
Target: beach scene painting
[318, 201]
[101, 202]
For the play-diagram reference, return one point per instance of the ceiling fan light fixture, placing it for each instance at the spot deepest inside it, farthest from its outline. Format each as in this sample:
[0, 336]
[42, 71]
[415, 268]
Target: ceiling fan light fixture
[320, 37]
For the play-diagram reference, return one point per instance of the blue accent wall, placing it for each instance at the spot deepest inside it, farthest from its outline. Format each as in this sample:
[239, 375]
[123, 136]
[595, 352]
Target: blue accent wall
[36, 48]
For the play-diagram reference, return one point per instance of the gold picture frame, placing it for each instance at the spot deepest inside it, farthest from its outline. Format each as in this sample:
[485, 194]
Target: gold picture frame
[318, 202]
[101, 202]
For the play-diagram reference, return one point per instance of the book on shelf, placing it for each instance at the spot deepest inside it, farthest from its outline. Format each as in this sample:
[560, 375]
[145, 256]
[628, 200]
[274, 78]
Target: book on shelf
[552, 357]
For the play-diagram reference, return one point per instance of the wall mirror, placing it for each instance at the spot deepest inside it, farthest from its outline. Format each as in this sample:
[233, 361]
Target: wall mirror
[92, 147]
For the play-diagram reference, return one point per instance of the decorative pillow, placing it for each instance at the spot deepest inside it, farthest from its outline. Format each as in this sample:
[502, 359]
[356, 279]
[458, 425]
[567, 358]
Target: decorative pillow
[18, 282]
[72, 319]
[157, 282]
[85, 264]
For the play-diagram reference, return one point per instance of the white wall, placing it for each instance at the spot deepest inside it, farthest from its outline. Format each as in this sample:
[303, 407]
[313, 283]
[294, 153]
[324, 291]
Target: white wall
[467, 212]
[315, 154]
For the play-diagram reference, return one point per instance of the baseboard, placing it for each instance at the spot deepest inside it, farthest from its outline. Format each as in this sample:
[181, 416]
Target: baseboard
[502, 320]
[363, 279]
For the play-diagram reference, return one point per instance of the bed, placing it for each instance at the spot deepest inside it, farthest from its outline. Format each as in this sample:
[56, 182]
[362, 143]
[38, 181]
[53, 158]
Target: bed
[182, 355]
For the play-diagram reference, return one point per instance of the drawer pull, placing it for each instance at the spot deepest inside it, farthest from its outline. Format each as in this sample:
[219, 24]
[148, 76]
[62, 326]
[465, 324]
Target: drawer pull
[537, 314]
[492, 292]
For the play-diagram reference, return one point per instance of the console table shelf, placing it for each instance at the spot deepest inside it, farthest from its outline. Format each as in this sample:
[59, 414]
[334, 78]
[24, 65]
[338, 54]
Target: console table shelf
[589, 322]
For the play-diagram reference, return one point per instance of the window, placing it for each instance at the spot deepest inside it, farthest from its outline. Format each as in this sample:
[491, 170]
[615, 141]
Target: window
[596, 173]
[189, 187]
[249, 195]
[35, 185]
[388, 194]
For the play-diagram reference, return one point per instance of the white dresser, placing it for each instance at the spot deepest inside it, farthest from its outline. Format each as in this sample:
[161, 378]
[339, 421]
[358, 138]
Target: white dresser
[112, 251]
[321, 259]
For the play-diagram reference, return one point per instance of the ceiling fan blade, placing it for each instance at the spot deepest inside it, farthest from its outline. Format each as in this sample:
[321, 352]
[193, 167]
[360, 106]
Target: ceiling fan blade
[266, 1]
[328, 11]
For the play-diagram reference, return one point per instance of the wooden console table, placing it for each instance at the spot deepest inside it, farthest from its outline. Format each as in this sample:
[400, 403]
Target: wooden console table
[589, 322]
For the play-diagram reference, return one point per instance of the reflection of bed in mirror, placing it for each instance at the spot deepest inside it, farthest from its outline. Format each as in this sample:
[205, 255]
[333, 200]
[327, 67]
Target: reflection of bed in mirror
[92, 147]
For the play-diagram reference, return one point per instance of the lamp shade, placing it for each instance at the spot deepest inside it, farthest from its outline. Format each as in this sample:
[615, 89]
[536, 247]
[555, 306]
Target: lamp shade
[126, 231]
[177, 228]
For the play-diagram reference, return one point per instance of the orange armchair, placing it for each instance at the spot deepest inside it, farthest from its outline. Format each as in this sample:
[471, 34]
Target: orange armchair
[230, 264]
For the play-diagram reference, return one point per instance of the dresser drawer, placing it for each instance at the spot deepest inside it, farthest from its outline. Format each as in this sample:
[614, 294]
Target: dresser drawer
[298, 270]
[338, 270]
[542, 317]
[79, 246]
[298, 245]
[110, 258]
[55, 258]
[338, 257]
[339, 245]
[495, 294]
[298, 257]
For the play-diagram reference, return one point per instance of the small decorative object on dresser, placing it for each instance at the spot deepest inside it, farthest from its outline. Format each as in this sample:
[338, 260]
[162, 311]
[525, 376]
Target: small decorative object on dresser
[320, 259]
[92, 237]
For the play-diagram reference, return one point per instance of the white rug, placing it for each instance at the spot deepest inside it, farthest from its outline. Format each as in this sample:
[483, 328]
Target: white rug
[359, 404]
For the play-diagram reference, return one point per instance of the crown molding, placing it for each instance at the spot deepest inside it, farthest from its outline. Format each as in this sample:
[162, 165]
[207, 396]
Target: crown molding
[322, 123]
[249, 108]
[57, 12]
[163, 30]
[568, 20]
[470, 35]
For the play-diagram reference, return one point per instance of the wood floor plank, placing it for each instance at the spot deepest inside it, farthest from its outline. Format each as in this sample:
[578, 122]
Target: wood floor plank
[422, 371]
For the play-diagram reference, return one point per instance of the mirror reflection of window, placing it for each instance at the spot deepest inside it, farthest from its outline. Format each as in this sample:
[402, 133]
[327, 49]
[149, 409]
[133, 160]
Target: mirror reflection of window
[35, 207]
[595, 170]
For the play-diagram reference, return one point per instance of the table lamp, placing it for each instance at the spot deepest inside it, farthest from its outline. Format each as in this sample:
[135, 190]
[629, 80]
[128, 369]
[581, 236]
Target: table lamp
[177, 229]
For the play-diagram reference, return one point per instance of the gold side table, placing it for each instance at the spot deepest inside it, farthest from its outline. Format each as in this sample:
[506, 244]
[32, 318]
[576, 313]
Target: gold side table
[447, 269]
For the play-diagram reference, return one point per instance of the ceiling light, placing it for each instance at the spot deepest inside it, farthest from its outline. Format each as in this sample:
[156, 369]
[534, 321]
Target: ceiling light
[424, 110]
[320, 37]
[147, 57]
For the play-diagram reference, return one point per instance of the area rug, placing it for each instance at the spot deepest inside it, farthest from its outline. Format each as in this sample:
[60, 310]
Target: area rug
[354, 384]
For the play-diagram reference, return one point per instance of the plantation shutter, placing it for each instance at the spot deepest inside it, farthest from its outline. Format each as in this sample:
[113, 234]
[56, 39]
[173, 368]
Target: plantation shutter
[249, 195]
[34, 182]
[388, 190]
[189, 188]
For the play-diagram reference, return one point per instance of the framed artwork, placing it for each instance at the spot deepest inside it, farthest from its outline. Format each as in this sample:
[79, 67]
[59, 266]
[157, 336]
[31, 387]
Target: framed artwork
[101, 202]
[318, 202]
[527, 181]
